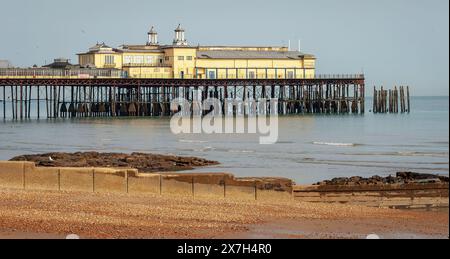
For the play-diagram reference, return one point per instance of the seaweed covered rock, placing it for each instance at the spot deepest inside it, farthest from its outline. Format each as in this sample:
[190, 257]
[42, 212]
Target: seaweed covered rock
[141, 161]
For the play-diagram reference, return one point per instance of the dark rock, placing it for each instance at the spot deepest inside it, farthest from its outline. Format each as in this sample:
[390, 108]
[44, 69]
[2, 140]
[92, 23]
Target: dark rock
[142, 162]
[400, 178]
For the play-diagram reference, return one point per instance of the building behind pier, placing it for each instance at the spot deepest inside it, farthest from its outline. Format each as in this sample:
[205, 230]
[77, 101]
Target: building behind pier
[178, 60]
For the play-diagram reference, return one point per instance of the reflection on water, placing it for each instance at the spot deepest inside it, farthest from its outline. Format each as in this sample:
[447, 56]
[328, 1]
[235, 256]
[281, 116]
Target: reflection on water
[310, 148]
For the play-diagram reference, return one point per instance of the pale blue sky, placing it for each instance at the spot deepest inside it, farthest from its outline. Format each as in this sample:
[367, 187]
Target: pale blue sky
[393, 41]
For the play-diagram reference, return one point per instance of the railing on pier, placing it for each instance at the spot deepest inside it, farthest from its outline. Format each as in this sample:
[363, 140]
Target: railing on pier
[60, 73]
[215, 73]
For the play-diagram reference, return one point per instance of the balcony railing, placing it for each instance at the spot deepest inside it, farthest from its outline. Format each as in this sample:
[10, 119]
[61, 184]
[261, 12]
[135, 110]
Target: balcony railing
[114, 73]
[113, 65]
[145, 65]
[60, 73]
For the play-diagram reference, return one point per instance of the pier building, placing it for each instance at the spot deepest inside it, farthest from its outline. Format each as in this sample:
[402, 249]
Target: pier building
[180, 60]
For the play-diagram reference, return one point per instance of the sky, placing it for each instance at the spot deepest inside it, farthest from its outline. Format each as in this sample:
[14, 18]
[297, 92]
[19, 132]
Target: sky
[394, 42]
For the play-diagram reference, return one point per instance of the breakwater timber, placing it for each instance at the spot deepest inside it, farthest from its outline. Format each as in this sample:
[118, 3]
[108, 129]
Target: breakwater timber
[404, 190]
[389, 101]
[113, 97]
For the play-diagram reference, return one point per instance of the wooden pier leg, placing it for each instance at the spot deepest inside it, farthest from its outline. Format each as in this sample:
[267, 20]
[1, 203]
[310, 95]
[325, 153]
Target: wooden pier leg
[17, 102]
[25, 101]
[359, 99]
[90, 101]
[12, 101]
[29, 101]
[46, 101]
[38, 100]
[4, 102]
[21, 102]
[58, 110]
[51, 101]
[55, 102]
[138, 99]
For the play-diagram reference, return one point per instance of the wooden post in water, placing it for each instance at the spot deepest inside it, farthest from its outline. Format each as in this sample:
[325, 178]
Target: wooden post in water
[374, 100]
[404, 99]
[385, 101]
[408, 99]
[395, 99]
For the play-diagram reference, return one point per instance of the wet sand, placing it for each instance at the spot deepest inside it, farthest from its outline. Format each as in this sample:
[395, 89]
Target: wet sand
[33, 214]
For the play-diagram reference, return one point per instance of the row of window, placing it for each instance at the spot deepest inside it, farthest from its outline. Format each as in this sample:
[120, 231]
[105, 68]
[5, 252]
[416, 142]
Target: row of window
[86, 60]
[109, 60]
[181, 58]
[212, 74]
[142, 60]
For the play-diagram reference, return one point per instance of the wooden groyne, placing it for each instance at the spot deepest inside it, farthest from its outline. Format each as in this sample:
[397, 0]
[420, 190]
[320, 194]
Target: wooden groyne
[389, 101]
[74, 98]
[27, 176]
[397, 196]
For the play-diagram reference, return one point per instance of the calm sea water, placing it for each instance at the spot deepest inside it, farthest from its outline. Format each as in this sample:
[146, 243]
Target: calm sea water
[310, 148]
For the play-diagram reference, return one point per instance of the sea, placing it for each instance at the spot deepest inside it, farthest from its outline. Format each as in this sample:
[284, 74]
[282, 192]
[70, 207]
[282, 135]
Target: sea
[311, 148]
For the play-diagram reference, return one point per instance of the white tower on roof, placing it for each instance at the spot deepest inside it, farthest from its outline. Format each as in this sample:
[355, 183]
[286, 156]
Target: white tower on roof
[152, 37]
[179, 40]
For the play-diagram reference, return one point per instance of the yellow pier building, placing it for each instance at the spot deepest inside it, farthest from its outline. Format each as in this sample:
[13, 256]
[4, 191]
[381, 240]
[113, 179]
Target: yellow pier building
[182, 61]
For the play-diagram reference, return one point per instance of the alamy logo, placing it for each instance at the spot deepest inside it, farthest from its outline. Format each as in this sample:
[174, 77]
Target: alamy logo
[231, 116]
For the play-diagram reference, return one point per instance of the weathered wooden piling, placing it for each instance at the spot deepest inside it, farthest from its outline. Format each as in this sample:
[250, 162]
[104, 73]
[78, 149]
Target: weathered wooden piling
[408, 99]
[4, 103]
[152, 97]
[388, 101]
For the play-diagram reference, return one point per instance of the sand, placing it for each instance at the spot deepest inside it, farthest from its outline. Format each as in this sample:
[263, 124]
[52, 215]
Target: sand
[32, 214]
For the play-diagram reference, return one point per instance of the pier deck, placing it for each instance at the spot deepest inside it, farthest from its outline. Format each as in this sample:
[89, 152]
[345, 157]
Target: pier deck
[24, 98]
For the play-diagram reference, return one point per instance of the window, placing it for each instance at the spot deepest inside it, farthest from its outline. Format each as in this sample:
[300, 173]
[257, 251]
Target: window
[189, 58]
[138, 59]
[109, 60]
[180, 58]
[167, 58]
[127, 59]
[290, 74]
[149, 60]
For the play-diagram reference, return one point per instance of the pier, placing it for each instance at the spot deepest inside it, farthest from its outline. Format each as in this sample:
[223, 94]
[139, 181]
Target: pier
[51, 98]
